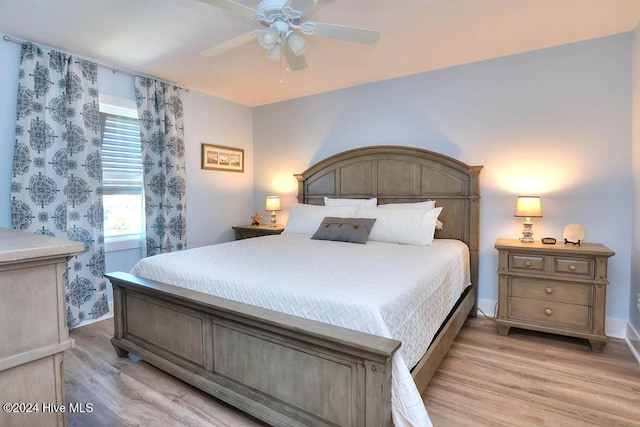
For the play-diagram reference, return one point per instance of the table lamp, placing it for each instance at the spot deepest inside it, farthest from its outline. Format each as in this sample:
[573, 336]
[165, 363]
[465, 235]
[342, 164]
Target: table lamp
[528, 207]
[273, 205]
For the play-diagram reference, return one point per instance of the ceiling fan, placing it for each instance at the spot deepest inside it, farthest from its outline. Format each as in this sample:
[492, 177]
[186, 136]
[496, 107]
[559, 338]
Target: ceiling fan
[282, 20]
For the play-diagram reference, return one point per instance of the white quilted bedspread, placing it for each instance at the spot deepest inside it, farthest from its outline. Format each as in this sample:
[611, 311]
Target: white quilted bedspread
[396, 291]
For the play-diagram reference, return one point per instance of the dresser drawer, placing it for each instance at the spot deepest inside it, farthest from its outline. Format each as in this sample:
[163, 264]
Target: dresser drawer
[578, 267]
[526, 262]
[550, 290]
[567, 316]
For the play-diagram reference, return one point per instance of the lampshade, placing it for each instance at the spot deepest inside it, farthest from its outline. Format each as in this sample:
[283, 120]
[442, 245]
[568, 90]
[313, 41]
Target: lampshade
[273, 203]
[268, 37]
[274, 53]
[297, 43]
[528, 206]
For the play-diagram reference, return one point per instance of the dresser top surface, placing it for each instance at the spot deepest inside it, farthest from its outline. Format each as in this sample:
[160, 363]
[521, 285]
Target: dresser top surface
[560, 247]
[20, 245]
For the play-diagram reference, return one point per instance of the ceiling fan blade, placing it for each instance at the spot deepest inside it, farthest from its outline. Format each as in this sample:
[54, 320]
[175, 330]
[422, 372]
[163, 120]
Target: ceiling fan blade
[229, 44]
[232, 6]
[296, 63]
[300, 5]
[340, 32]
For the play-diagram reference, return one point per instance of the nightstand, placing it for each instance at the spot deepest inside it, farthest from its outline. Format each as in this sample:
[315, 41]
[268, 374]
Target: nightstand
[558, 288]
[249, 231]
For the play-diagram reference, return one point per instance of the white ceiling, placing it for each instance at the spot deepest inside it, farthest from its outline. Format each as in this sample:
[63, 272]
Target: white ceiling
[163, 38]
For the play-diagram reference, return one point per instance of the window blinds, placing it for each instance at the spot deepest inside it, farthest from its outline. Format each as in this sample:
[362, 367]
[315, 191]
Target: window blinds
[121, 155]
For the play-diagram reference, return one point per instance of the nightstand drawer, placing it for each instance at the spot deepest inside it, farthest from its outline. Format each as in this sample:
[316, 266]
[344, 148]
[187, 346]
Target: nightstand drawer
[526, 262]
[579, 267]
[549, 290]
[568, 316]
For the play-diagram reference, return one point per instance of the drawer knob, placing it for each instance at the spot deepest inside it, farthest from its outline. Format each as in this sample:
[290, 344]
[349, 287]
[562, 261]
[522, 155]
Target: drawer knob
[548, 311]
[548, 290]
[527, 263]
[572, 267]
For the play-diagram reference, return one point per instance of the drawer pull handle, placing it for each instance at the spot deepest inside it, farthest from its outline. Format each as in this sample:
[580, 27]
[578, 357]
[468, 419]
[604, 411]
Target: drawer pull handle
[548, 311]
[527, 263]
[548, 290]
[572, 267]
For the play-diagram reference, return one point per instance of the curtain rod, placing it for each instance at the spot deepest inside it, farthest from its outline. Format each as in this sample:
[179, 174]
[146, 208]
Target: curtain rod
[113, 68]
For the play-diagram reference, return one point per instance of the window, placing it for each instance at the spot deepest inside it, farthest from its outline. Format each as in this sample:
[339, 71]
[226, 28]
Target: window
[121, 171]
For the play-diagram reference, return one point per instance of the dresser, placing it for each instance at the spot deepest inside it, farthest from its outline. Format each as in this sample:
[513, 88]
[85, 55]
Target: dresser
[34, 333]
[249, 231]
[559, 288]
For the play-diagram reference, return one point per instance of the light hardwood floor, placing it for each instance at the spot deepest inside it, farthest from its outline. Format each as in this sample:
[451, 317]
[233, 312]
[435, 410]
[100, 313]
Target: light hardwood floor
[533, 379]
[524, 379]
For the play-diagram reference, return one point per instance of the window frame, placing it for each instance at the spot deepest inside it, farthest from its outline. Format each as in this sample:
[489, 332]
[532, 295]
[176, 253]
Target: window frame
[127, 108]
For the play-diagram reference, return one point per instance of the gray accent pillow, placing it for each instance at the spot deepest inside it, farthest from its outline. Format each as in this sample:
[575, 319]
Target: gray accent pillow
[352, 230]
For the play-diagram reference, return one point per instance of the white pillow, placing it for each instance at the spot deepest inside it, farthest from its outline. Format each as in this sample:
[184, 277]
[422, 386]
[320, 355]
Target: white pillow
[406, 226]
[305, 219]
[350, 202]
[429, 204]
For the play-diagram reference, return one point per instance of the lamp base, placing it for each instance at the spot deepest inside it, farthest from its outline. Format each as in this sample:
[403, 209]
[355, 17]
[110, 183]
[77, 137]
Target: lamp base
[273, 219]
[527, 232]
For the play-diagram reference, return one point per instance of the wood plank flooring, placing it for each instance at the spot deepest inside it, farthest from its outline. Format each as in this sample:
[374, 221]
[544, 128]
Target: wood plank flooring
[533, 379]
[524, 379]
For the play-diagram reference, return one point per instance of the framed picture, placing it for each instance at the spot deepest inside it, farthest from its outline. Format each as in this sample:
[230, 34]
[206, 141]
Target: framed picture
[215, 157]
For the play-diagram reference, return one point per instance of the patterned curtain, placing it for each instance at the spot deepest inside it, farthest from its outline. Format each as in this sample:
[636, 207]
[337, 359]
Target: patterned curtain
[56, 189]
[162, 134]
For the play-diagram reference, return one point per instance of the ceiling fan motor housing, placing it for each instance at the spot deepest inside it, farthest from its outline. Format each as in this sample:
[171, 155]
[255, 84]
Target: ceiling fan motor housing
[272, 10]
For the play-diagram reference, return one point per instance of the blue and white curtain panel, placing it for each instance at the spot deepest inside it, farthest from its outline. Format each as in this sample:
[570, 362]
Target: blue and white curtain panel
[56, 187]
[160, 111]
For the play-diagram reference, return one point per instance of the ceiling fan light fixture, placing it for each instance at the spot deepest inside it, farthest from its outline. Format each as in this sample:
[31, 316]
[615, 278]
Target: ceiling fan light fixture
[297, 43]
[268, 38]
[273, 54]
[284, 30]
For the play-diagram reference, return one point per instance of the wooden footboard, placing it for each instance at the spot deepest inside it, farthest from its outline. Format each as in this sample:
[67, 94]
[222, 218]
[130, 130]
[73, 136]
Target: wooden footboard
[283, 369]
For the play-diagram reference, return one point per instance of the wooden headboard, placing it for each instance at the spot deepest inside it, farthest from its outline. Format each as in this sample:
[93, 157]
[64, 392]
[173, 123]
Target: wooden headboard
[396, 174]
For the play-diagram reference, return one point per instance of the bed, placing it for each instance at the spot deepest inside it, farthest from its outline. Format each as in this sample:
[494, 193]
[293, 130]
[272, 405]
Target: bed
[278, 362]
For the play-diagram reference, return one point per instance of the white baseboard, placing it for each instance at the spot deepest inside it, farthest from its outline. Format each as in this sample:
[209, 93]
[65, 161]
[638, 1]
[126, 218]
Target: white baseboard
[107, 315]
[633, 341]
[487, 307]
[614, 328]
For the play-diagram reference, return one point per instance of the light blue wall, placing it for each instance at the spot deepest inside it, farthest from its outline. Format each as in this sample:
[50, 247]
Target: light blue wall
[217, 200]
[555, 122]
[634, 301]
[9, 60]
